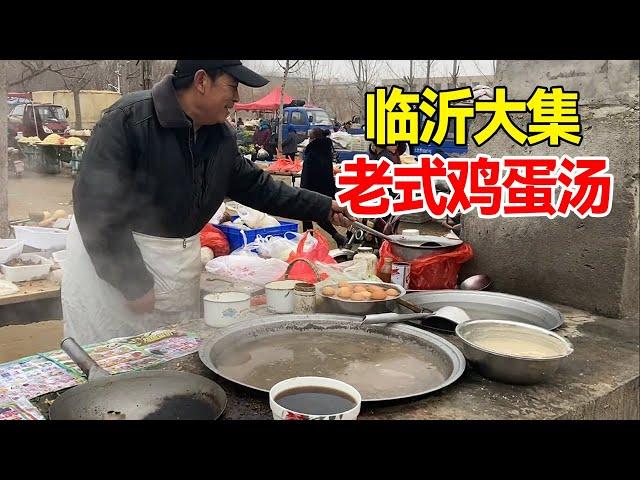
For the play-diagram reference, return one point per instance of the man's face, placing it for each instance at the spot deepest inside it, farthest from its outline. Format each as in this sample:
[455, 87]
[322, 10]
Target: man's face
[217, 97]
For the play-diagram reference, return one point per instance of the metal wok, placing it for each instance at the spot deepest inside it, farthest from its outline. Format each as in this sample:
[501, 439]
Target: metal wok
[144, 395]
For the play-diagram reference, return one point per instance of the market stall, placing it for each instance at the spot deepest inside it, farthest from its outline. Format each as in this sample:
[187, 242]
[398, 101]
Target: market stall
[49, 155]
[593, 385]
[276, 306]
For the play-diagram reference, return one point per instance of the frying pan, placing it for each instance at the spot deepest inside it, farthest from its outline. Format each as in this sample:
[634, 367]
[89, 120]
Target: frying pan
[143, 395]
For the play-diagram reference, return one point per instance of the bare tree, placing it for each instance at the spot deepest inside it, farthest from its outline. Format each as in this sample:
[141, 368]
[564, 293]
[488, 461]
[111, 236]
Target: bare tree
[366, 72]
[493, 66]
[147, 74]
[76, 78]
[32, 69]
[4, 181]
[290, 66]
[75, 75]
[409, 81]
[455, 72]
[429, 64]
[312, 70]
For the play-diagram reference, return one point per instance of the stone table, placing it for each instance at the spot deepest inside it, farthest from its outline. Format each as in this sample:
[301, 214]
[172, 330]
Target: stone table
[599, 381]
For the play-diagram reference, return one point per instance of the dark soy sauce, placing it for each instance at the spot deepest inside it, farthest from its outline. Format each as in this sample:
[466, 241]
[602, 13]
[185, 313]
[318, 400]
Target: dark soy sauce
[315, 400]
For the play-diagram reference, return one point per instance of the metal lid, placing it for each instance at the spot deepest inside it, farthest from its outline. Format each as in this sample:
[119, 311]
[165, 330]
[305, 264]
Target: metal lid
[365, 250]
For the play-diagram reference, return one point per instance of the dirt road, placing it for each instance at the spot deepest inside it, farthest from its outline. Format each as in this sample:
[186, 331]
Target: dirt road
[37, 192]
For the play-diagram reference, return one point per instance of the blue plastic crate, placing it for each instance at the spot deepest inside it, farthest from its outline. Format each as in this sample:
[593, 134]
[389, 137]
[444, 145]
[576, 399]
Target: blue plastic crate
[235, 237]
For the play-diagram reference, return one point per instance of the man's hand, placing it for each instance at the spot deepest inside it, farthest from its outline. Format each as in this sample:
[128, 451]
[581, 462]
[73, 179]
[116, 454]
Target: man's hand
[339, 215]
[144, 304]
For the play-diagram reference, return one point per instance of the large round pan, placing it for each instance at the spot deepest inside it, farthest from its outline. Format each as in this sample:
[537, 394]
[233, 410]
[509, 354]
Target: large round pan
[387, 362]
[144, 395]
[484, 305]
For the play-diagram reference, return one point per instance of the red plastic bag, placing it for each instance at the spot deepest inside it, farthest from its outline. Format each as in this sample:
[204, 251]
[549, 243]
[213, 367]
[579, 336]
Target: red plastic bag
[319, 253]
[432, 273]
[285, 165]
[213, 238]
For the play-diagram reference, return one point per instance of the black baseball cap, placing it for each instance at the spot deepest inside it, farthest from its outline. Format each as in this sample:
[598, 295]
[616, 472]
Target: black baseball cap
[244, 75]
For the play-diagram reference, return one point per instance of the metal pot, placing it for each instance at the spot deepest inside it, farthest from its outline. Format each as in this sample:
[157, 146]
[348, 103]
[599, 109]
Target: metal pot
[401, 247]
[414, 253]
[509, 368]
[362, 307]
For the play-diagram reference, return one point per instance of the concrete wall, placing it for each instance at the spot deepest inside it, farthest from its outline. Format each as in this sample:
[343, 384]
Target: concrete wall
[592, 263]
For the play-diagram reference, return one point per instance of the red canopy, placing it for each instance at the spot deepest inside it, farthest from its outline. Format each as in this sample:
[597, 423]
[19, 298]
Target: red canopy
[270, 102]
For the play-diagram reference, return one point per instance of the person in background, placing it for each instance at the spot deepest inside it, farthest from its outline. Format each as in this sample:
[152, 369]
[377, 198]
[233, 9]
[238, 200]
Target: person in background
[290, 144]
[391, 152]
[317, 176]
[262, 135]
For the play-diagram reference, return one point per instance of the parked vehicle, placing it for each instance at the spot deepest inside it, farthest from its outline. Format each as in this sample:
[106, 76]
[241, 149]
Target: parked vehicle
[303, 119]
[36, 120]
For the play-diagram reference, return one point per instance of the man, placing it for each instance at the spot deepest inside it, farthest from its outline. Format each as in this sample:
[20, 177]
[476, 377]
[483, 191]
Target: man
[157, 167]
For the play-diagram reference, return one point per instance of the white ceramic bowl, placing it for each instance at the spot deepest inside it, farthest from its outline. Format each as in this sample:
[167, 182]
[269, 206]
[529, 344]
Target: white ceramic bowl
[281, 413]
[226, 308]
[280, 296]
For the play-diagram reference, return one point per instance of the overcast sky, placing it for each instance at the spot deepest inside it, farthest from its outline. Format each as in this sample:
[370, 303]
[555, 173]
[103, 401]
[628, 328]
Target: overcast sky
[341, 69]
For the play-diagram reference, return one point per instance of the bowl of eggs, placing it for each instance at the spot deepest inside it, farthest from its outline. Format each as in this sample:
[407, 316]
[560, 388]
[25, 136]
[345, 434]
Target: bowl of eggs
[361, 297]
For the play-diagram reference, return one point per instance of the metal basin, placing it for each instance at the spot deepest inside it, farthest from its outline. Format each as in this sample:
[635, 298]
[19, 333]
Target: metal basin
[362, 307]
[512, 352]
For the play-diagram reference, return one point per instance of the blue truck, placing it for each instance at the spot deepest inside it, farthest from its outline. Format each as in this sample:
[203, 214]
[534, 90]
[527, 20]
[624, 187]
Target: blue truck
[303, 119]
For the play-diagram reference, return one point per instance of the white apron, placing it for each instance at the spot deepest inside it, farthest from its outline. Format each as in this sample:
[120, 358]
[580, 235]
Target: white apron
[94, 311]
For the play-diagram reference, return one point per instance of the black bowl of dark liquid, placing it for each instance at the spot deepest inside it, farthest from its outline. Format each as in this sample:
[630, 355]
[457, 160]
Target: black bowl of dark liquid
[315, 399]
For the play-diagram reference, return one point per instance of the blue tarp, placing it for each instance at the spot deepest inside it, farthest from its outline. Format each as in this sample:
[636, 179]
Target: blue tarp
[17, 100]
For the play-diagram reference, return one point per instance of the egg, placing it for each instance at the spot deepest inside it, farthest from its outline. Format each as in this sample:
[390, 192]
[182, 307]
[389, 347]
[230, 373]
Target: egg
[379, 295]
[328, 291]
[392, 292]
[366, 295]
[357, 296]
[359, 288]
[344, 284]
[344, 292]
[372, 288]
